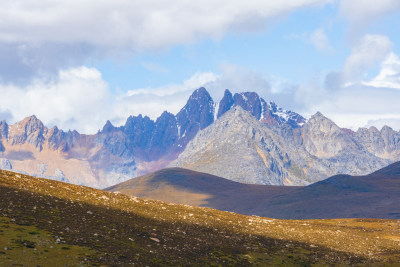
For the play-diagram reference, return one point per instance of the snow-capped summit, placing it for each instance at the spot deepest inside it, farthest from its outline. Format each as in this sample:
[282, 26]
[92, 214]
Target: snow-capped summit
[267, 112]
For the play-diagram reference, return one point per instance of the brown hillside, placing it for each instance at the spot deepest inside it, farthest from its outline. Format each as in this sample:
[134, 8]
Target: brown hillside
[40, 218]
[183, 186]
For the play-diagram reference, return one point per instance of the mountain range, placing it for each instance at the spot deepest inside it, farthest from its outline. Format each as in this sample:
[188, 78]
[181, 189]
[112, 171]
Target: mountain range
[242, 137]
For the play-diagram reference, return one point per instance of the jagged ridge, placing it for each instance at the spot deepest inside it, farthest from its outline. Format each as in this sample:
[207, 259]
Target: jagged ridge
[142, 145]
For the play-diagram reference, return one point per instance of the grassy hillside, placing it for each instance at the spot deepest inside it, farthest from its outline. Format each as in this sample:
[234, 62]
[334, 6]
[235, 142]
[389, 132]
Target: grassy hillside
[342, 196]
[41, 220]
[183, 186]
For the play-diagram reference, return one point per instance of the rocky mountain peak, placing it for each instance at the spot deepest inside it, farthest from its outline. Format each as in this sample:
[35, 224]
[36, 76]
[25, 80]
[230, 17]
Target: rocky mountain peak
[139, 130]
[197, 114]
[269, 113]
[324, 139]
[108, 127]
[200, 95]
[249, 101]
[165, 116]
[387, 130]
[373, 129]
[318, 115]
[239, 147]
[226, 103]
[30, 130]
[320, 123]
[165, 135]
[273, 114]
[32, 124]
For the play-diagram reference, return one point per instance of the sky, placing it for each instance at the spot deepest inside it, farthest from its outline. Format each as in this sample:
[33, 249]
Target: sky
[77, 64]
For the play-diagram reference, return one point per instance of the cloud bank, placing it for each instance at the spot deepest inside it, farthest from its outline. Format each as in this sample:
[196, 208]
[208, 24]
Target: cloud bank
[362, 13]
[45, 45]
[40, 37]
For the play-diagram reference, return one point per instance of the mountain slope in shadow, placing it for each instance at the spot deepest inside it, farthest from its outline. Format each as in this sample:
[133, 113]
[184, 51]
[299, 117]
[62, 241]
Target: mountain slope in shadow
[342, 196]
[189, 187]
[376, 195]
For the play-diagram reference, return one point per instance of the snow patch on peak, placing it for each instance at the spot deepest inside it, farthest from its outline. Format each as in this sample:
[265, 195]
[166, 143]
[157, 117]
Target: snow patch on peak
[244, 97]
[216, 108]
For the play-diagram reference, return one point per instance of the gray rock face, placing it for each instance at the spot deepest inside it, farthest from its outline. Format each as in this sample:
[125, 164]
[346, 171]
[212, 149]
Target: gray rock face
[384, 143]
[29, 130]
[60, 140]
[241, 148]
[324, 139]
[5, 164]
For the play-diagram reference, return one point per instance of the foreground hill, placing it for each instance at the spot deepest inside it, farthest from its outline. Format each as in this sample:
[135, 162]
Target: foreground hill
[183, 186]
[41, 220]
[342, 196]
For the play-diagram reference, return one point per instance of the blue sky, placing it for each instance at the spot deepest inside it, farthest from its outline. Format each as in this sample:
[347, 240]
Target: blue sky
[76, 65]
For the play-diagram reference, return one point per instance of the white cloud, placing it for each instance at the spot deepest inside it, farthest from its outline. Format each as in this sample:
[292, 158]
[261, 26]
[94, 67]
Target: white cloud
[237, 79]
[134, 24]
[155, 67]
[389, 75]
[75, 100]
[350, 100]
[153, 101]
[358, 105]
[195, 81]
[361, 13]
[319, 39]
[370, 51]
[44, 36]
[80, 99]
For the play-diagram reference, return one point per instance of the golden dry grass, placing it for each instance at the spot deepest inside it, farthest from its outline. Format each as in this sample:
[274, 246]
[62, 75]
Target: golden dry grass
[126, 230]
